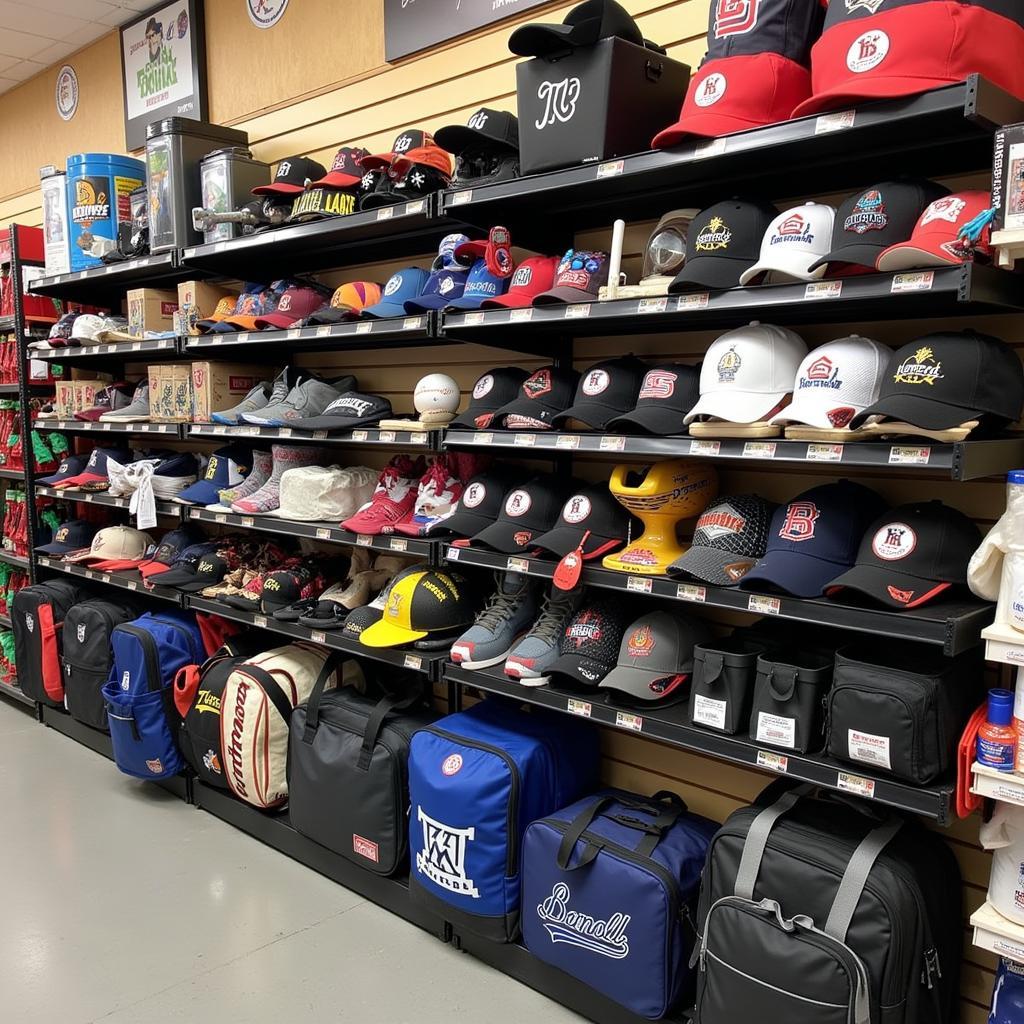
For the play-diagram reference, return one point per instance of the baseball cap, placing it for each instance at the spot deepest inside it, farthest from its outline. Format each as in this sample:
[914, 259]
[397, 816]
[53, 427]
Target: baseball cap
[911, 555]
[420, 604]
[592, 509]
[108, 399]
[532, 277]
[606, 390]
[814, 537]
[945, 379]
[291, 176]
[423, 157]
[871, 221]
[319, 202]
[401, 287]
[227, 467]
[183, 573]
[87, 326]
[71, 467]
[60, 332]
[250, 306]
[73, 535]
[446, 258]
[747, 373]
[655, 656]
[412, 138]
[723, 241]
[320, 493]
[491, 391]
[114, 547]
[442, 288]
[528, 511]
[480, 286]
[578, 278]
[347, 303]
[224, 308]
[172, 544]
[95, 469]
[793, 241]
[544, 394]
[493, 129]
[865, 53]
[667, 393]
[835, 382]
[584, 25]
[589, 645]
[936, 238]
[296, 302]
[345, 169]
[482, 500]
[730, 536]
[347, 411]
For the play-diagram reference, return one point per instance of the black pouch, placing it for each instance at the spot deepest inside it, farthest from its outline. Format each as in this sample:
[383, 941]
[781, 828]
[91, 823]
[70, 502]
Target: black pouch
[723, 683]
[788, 699]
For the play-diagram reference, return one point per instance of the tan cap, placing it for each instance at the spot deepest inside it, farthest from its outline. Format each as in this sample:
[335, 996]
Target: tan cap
[115, 547]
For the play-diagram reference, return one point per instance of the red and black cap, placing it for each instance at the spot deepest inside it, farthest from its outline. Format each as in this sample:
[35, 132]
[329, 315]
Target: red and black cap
[345, 170]
[911, 555]
[605, 391]
[482, 500]
[945, 379]
[542, 396]
[592, 510]
[491, 391]
[485, 129]
[589, 646]
[412, 138]
[74, 535]
[871, 221]
[292, 174]
[667, 393]
[527, 511]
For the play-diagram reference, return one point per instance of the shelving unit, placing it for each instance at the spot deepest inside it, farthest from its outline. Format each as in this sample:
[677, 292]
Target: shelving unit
[422, 439]
[151, 348]
[122, 579]
[163, 508]
[175, 430]
[997, 934]
[110, 282]
[12, 559]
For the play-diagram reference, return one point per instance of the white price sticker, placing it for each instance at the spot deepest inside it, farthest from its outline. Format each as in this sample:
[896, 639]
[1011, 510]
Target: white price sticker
[639, 584]
[577, 311]
[452, 554]
[612, 443]
[359, 435]
[525, 440]
[520, 316]
[705, 447]
[194, 513]
[241, 339]
[772, 761]
[220, 517]
[714, 147]
[89, 496]
[317, 637]
[323, 331]
[578, 707]
[691, 592]
[386, 213]
[759, 450]
[220, 430]
[856, 784]
[365, 328]
[484, 438]
[626, 721]
[105, 578]
[106, 426]
[825, 453]
[386, 436]
[323, 533]
[610, 168]
[909, 456]
[260, 621]
[319, 435]
[414, 207]
[710, 712]
[823, 290]
[284, 432]
[919, 281]
[652, 305]
[763, 605]
[413, 661]
[461, 198]
[412, 323]
[837, 121]
[687, 303]
[472, 319]
[294, 332]
[517, 564]
[363, 540]
[399, 544]
[133, 586]
[567, 441]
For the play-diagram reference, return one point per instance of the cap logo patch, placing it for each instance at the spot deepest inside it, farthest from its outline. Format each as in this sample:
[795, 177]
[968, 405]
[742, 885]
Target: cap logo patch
[793, 229]
[735, 17]
[537, 385]
[403, 143]
[711, 90]
[522, 277]
[737, 570]
[394, 604]
[452, 764]
[721, 522]
[211, 467]
[584, 630]
[393, 284]
[822, 373]
[596, 382]
[522, 537]
[62, 533]
[477, 121]
[285, 304]
[559, 99]
[483, 386]
[841, 417]
[577, 508]
[575, 268]
[728, 367]
[893, 542]
[868, 214]
[658, 384]
[717, 235]
[799, 522]
[642, 642]
[446, 285]
[474, 494]
[80, 632]
[903, 596]
[923, 368]
[284, 168]
[867, 52]
[864, 5]
[948, 208]
[518, 504]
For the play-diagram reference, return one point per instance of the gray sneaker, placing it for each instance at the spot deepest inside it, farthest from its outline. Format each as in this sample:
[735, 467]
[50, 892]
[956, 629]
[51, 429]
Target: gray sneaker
[308, 398]
[136, 412]
[258, 398]
[536, 652]
[509, 611]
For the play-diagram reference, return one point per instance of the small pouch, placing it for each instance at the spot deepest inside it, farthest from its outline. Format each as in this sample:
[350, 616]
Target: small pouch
[788, 699]
[723, 683]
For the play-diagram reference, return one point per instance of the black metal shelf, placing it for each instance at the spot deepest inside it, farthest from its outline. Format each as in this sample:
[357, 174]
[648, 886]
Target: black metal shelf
[123, 579]
[8, 323]
[12, 559]
[96, 427]
[12, 474]
[426, 439]
[671, 725]
[964, 460]
[15, 693]
[152, 347]
[942, 132]
[103, 286]
[966, 290]
[5, 620]
[395, 544]
[163, 508]
[9, 389]
[954, 625]
[418, 661]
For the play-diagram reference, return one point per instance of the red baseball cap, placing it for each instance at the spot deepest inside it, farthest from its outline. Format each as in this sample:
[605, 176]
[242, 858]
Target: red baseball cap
[911, 47]
[414, 138]
[345, 171]
[295, 304]
[936, 238]
[531, 277]
[428, 156]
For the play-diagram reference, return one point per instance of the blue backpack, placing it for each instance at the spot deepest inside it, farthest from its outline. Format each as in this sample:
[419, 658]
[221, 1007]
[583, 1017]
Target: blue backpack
[476, 780]
[609, 888]
[140, 692]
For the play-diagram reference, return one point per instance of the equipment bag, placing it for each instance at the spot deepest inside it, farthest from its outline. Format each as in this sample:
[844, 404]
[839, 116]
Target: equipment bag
[37, 617]
[788, 694]
[822, 911]
[139, 694]
[348, 773]
[723, 683]
[476, 780]
[87, 656]
[610, 892]
[259, 697]
[198, 691]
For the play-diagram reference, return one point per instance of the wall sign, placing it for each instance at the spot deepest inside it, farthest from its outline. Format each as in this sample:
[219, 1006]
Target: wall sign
[414, 25]
[163, 67]
[66, 92]
[265, 13]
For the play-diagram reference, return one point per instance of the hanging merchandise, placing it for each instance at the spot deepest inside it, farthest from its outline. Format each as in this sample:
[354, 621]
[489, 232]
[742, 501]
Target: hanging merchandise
[99, 185]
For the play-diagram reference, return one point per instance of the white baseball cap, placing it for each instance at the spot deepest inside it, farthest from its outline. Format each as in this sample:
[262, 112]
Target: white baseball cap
[835, 382]
[747, 373]
[319, 493]
[794, 240]
[87, 326]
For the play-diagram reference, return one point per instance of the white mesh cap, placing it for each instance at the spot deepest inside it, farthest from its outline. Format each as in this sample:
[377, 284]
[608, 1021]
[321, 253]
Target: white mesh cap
[794, 240]
[316, 493]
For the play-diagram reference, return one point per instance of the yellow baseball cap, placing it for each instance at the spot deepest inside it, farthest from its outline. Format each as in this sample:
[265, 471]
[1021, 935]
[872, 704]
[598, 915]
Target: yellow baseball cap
[417, 605]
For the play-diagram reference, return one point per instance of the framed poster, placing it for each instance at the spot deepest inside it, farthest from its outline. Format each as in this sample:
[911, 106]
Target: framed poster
[163, 67]
[414, 25]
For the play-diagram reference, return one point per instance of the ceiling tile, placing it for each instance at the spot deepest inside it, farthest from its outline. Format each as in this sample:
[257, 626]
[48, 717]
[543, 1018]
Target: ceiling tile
[21, 44]
[135, 5]
[7, 83]
[7, 62]
[117, 16]
[57, 51]
[87, 10]
[23, 70]
[40, 23]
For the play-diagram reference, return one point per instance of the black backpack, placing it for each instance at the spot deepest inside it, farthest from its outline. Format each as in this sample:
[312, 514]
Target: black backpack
[87, 656]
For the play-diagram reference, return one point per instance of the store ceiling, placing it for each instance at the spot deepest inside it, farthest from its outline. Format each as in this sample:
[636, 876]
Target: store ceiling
[37, 33]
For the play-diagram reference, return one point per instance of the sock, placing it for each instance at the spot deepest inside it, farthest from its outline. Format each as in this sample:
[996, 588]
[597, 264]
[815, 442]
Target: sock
[262, 467]
[268, 497]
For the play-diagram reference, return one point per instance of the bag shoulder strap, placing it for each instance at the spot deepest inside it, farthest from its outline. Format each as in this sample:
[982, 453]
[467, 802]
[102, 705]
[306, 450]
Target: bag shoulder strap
[757, 840]
[271, 688]
[332, 663]
[375, 723]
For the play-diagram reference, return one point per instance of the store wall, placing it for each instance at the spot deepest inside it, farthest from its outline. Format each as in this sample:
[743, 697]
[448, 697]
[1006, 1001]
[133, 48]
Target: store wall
[318, 81]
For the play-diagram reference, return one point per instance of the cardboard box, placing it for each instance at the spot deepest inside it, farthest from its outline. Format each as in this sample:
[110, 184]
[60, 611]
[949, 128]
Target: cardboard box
[151, 309]
[196, 300]
[170, 392]
[86, 391]
[217, 386]
[65, 399]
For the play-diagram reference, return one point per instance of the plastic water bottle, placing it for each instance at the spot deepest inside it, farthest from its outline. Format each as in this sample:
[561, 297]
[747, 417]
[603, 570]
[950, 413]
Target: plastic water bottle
[1008, 994]
[1013, 559]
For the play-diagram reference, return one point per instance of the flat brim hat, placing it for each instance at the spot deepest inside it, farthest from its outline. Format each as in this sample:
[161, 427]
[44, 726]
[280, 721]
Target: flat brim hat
[651, 419]
[736, 406]
[793, 573]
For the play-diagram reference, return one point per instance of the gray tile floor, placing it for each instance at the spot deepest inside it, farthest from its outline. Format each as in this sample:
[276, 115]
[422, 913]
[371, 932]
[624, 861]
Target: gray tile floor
[120, 904]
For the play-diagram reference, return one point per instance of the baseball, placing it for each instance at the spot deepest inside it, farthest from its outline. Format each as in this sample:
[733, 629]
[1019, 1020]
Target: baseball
[436, 392]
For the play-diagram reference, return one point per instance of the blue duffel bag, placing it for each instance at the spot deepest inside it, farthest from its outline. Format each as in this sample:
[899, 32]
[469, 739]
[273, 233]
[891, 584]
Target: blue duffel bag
[609, 889]
[476, 780]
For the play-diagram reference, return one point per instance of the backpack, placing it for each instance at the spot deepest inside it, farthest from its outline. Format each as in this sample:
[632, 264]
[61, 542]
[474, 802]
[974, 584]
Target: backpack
[826, 909]
[87, 656]
[610, 891]
[198, 691]
[476, 780]
[348, 773]
[259, 697]
[139, 694]
[37, 617]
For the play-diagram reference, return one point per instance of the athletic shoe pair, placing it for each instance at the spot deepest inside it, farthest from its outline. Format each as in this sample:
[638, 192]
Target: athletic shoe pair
[293, 395]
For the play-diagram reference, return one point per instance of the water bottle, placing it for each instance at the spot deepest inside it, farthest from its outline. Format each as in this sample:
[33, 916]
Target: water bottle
[1013, 559]
[1008, 994]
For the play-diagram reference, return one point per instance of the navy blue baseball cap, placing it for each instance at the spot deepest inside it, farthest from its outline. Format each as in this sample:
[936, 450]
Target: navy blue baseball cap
[162, 555]
[441, 290]
[70, 536]
[95, 469]
[481, 285]
[227, 467]
[402, 286]
[814, 538]
[71, 466]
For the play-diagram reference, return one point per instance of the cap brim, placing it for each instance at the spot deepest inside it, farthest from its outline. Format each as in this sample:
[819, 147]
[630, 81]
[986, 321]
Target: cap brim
[501, 537]
[796, 574]
[811, 416]
[375, 161]
[525, 407]
[860, 254]
[708, 126]
[875, 582]
[332, 315]
[652, 419]
[467, 524]
[385, 634]
[468, 419]
[571, 665]
[918, 411]
[83, 478]
[563, 296]
[53, 478]
[563, 539]
[83, 555]
[383, 310]
[204, 492]
[542, 39]
[278, 190]
[147, 569]
[338, 179]
[869, 89]
[276, 320]
[458, 137]
[637, 681]
[235, 323]
[510, 300]
[473, 302]
[794, 272]
[736, 406]
[709, 565]
[714, 272]
[907, 256]
[181, 579]
[593, 415]
[425, 303]
[56, 548]
[115, 564]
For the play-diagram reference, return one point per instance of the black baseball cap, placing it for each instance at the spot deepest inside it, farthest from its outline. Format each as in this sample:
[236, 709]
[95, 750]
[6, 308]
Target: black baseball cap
[911, 555]
[349, 410]
[813, 538]
[493, 129]
[529, 510]
[949, 378]
[722, 242]
[482, 500]
[729, 538]
[542, 396]
[72, 466]
[870, 221]
[584, 25]
[667, 393]
[491, 391]
[292, 174]
[589, 508]
[210, 568]
[161, 557]
[73, 535]
[589, 646]
[605, 391]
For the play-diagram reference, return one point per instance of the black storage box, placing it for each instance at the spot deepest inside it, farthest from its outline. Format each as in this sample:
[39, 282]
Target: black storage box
[723, 683]
[595, 103]
[789, 698]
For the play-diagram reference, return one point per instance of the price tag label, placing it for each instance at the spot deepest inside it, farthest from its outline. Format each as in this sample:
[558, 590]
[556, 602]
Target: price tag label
[220, 430]
[413, 661]
[687, 303]
[319, 435]
[567, 441]
[472, 319]
[323, 533]
[639, 584]
[452, 554]
[705, 447]
[386, 436]
[417, 438]
[248, 521]
[363, 540]
[1007, 791]
[525, 440]
[825, 453]
[106, 426]
[241, 339]
[323, 331]
[484, 438]
[220, 517]
[691, 592]
[365, 328]
[612, 443]
[714, 147]
[317, 637]
[856, 784]
[909, 456]
[519, 316]
[763, 605]
[220, 246]
[399, 544]
[386, 213]
[652, 305]
[461, 198]
[624, 720]
[517, 564]
[919, 281]
[577, 311]
[284, 432]
[837, 121]
[295, 332]
[759, 450]
[414, 207]
[610, 168]
[359, 435]
[578, 707]
[110, 270]
[772, 761]
[260, 621]
[105, 578]
[412, 323]
[89, 496]
[823, 290]
[133, 586]
[193, 513]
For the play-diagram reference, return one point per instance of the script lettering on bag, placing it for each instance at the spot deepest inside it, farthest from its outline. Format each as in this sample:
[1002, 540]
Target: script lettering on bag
[443, 859]
[608, 938]
[235, 750]
[559, 100]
